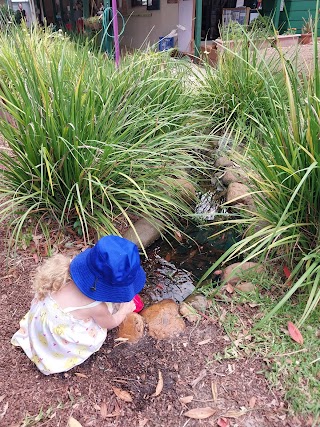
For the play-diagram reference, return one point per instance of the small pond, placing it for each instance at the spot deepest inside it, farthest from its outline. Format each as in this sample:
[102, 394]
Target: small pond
[174, 268]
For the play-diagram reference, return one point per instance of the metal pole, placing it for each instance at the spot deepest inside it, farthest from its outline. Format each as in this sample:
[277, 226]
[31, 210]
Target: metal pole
[197, 35]
[115, 31]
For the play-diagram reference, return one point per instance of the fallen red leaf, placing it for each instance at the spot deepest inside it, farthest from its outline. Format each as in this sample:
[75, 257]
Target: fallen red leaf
[294, 333]
[223, 422]
[287, 273]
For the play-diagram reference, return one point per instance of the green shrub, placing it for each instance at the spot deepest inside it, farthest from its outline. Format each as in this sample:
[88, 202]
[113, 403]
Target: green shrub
[91, 142]
[236, 92]
[285, 176]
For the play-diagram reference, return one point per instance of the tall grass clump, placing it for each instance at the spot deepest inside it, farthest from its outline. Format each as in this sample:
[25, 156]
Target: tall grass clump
[89, 142]
[235, 93]
[285, 176]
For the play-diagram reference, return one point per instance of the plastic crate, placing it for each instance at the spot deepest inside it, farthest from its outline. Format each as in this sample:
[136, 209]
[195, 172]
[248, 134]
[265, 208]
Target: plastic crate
[166, 43]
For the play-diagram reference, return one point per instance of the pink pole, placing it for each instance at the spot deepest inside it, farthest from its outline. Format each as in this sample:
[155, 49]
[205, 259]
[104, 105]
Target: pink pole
[116, 32]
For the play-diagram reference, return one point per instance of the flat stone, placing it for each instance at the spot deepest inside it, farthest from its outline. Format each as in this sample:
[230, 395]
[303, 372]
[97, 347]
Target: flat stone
[245, 287]
[163, 319]
[132, 328]
[166, 281]
[230, 275]
[223, 162]
[238, 193]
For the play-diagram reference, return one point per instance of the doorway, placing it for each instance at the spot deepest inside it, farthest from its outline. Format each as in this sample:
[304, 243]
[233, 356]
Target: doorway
[211, 17]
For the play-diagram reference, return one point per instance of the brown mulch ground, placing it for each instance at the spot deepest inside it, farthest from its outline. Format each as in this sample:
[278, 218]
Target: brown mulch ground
[87, 392]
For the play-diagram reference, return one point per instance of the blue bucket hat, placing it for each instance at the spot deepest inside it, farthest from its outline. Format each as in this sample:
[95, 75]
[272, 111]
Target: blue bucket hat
[110, 271]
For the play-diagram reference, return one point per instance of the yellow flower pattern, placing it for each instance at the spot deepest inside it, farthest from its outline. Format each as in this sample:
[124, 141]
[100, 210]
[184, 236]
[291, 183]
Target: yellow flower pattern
[54, 340]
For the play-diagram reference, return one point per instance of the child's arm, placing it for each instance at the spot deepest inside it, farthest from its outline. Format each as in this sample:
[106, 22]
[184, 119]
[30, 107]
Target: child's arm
[106, 320]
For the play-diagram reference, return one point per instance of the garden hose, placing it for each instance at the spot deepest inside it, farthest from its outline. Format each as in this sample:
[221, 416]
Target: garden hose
[110, 36]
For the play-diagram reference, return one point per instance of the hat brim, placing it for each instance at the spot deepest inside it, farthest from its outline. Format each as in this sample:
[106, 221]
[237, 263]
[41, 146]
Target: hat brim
[98, 290]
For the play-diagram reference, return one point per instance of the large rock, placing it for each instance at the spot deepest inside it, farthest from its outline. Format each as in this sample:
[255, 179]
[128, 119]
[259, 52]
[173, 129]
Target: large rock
[131, 328]
[147, 232]
[223, 162]
[238, 193]
[232, 272]
[233, 175]
[188, 192]
[163, 319]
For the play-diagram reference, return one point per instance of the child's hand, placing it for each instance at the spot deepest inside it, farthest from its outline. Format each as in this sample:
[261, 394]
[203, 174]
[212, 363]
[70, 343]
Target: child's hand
[106, 320]
[127, 307]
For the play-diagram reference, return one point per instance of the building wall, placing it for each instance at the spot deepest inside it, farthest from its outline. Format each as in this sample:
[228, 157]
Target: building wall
[144, 26]
[296, 10]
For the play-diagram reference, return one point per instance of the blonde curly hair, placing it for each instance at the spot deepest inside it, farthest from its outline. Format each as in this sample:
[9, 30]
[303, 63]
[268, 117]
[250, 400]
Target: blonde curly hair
[51, 276]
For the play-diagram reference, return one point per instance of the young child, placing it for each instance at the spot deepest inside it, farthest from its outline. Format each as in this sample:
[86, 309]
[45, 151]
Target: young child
[75, 302]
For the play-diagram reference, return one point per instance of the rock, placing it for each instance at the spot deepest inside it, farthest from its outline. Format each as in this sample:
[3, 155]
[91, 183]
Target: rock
[189, 312]
[163, 319]
[132, 328]
[245, 287]
[197, 301]
[166, 281]
[233, 175]
[190, 307]
[188, 192]
[228, 275]
[223, 162]
[147, 232]
[229, 177]
[240, 192]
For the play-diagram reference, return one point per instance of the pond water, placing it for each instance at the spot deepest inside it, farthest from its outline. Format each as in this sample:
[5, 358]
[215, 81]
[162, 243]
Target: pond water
[173, 269]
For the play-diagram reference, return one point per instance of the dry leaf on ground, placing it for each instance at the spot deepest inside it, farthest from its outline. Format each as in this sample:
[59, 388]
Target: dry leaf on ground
[252, 402]
[234, 413]
[122, 394]
[186, 399]
[103, 410]
[294, 333]
[72, 422]
[204, 341]
[200, 413]
[80, 375]
[214, 391]
[159, 386]
[3, 413]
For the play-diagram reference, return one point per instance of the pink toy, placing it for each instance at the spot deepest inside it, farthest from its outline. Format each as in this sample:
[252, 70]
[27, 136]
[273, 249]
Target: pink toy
[139, 303]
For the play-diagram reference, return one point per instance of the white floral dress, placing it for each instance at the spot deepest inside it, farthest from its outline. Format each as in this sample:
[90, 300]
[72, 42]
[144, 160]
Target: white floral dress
[55, 340]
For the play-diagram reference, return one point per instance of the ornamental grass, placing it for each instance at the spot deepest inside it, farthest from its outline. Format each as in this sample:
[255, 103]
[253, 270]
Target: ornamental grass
[91, 143]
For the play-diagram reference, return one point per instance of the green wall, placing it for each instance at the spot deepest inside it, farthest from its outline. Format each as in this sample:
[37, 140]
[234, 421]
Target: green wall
[296, 10]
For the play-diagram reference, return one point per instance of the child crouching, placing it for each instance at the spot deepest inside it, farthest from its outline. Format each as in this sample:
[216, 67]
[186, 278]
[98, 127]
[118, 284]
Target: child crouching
[76, 303]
